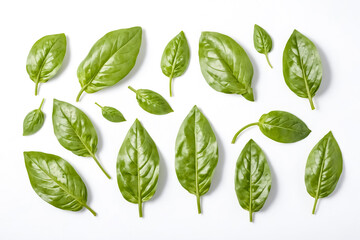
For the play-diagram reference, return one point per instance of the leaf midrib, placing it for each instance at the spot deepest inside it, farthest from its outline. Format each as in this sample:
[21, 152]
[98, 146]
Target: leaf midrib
[321, 171]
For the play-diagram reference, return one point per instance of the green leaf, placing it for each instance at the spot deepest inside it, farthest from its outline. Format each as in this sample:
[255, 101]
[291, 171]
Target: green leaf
[111, 114]
[152, 102]
[45, 58]
[280, 126]
[262, 42]
[110, 59]
[302, 67]
[252, 178]
[33, 121]
[196, 154]
[137, 166]
[75, 131]
[323, 168]
[225, 65]
[56, 181]
[175, 58]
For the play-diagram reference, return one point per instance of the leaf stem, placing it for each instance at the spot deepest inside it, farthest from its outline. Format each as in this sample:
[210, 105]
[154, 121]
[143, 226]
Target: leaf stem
[98, 105]
[314, 208]
[132, 89]
[311, 103]
[170, 84]
[198, 203]
[98, 163]
[36, 88]
[140, 208]
[90, 209]
[267, 59]
[242, 129]
[42, 102]
[79, 95]
[251, 215]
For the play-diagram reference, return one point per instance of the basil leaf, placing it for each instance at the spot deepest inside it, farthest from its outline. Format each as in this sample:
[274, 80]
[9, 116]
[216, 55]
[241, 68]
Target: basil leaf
[152, 102]
[225, 65]
[111, 114]
[175, 58]
[75, 131]
[252, 178]
[196, 154]
[323, 168]
[56, 181]
[45, 58]
[262, 42]
[280, 126]
[137, 166]
[110, 59]
[33, 121]
[302, 67]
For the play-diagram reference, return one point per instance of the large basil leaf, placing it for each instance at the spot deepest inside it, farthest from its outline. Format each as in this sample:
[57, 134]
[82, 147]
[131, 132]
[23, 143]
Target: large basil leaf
[45, 58]
[152, 102]
[110, 59]
[225, 65]
[280, 126]
[175, 58]
[56, 181]
[111, 114]
[252, 178]
[262, 42]
[75, 131]
[33, 121]
[302, 67]
[196, 154]
[137, 166]
[323, 168]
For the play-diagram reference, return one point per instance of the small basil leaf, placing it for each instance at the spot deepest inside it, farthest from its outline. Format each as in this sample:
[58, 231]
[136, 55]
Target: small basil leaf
[323, 168]
[152, 102]
[45, 58]
[110, 59]
[225, 65]
[33, 121]
[75, 131]
[196, 154]
[56, 181]
[280, 126]
[252, 178]
[302, 67]
[175, 58]
[111, 114]
[262, 42]
[137, 166]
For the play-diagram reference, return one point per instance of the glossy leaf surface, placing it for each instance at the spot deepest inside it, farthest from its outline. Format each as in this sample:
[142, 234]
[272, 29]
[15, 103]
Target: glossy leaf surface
[175, 58]
[138, 166]
[196, 154]
[111, 114]
[33, 121]
[110, 59]
[225, 65]
[262, 42]
[323, 168]
[302, 67]
[252, 178]
[45, 58]
[56, 181]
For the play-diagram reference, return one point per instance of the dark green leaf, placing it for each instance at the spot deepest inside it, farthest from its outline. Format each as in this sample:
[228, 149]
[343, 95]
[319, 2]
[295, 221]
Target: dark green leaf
[110, 59]
[111, 114]
[252, 178]
[176, 57]
[262, 42]
[56, 181]
[138, 166]
[196, 154]
[33, 121]
[323, 168]
[302, 67]
[45, 58]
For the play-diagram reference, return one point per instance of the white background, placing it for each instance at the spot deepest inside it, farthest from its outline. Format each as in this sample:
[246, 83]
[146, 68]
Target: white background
[332, 25]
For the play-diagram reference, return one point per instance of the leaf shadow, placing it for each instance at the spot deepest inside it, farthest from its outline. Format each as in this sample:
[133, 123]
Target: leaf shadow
[274, 187]
[256, 75]
[327, 74]
[163, 176]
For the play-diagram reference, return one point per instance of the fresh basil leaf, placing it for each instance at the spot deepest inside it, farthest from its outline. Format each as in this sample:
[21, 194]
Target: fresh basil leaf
[302, 67]
[196, 154]
[137, 166]
[323, 168]
[33, 121]
[111, 114]
[252, 178]
[45, 58]
[74, 131]
[56, 181]
[175, 58]
[280, 126]
[110, 59]
[262, 42]
[225, 65]
[151, 101]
